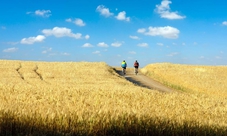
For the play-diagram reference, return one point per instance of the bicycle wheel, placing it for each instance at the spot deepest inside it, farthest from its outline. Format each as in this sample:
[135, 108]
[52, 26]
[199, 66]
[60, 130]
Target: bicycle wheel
[136, 71]
[123, 71]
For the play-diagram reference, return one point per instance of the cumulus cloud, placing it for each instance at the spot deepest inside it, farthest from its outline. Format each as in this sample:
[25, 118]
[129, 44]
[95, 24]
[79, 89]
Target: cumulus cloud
[47, 50]
[224, 23]
[132, 52]
[160, 44]
[65, 54]
[87, 36]
[201, 57]
[122, 16]
[96, 52]
[44, 52]
[141, 30]
[87, 45]
[61, 32]
[69, 20]
[218, 57]
[116, 44]
[173, 54]
[143, 45]
[165, 11]
[10, 50]
[32, 40]
[43, 13]
[104, 11]
[134, 37]
[167, 32]
[102, 44]
[77, 21]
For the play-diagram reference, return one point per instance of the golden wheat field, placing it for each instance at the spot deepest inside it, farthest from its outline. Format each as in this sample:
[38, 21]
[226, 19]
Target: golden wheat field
[90, 98]
[210, 80]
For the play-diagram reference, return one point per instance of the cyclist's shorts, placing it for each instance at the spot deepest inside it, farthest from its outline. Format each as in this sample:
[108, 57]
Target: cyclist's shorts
[136, 66]
[124, 67]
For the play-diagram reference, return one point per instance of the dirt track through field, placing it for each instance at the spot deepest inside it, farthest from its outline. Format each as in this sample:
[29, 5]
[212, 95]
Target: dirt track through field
[142, 80]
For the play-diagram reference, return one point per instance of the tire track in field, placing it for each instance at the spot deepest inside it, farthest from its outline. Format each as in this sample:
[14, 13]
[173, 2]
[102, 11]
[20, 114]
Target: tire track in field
[35, 70]
[18, 71]
[37, 73]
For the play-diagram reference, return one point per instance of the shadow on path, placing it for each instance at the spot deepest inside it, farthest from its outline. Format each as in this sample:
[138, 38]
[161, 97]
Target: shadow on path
[142, 80]
[129, 77]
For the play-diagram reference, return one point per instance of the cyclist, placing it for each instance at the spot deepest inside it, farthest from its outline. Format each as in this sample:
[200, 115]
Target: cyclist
[136, 66]
[123, 65]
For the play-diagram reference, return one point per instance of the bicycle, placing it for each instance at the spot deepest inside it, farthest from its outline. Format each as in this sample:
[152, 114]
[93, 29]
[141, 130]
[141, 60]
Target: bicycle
[136, 66]
[124, 71]
[136, 71]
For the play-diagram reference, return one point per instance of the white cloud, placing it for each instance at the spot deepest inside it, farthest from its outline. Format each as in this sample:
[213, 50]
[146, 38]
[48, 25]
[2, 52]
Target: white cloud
[122, 16]
[165, 11]
[44, 52]
[96, 52]
[43, 13]
[218, 57]
[32, 40]
[104, 11]
[87, 45]
[116, 44]
[12, 43]
[173, 54]
[87, 36]
[77, 21]
[102, 44]
[10, 50]
[50, 53]
[201, 57]
[134, 37]
[143, 44]
[61, 32]
[47, 50]
[160, 44]
[132, 52]
[65, 54]
[167, 32]
[68, 20]
[141, 30]
[224, 23]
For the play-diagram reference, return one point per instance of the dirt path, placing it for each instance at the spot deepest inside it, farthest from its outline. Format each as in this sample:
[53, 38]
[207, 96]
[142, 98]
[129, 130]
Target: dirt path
[143, 80]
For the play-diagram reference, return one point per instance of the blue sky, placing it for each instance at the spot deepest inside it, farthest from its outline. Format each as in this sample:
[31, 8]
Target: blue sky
[150, 31]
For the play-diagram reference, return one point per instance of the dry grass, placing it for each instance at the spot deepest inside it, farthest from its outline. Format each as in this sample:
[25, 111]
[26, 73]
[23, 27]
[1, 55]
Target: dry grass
[82, 98]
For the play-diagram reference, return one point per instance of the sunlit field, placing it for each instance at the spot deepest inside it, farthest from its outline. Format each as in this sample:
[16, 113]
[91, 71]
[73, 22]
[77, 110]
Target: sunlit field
[210, 80]
[90, 98]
